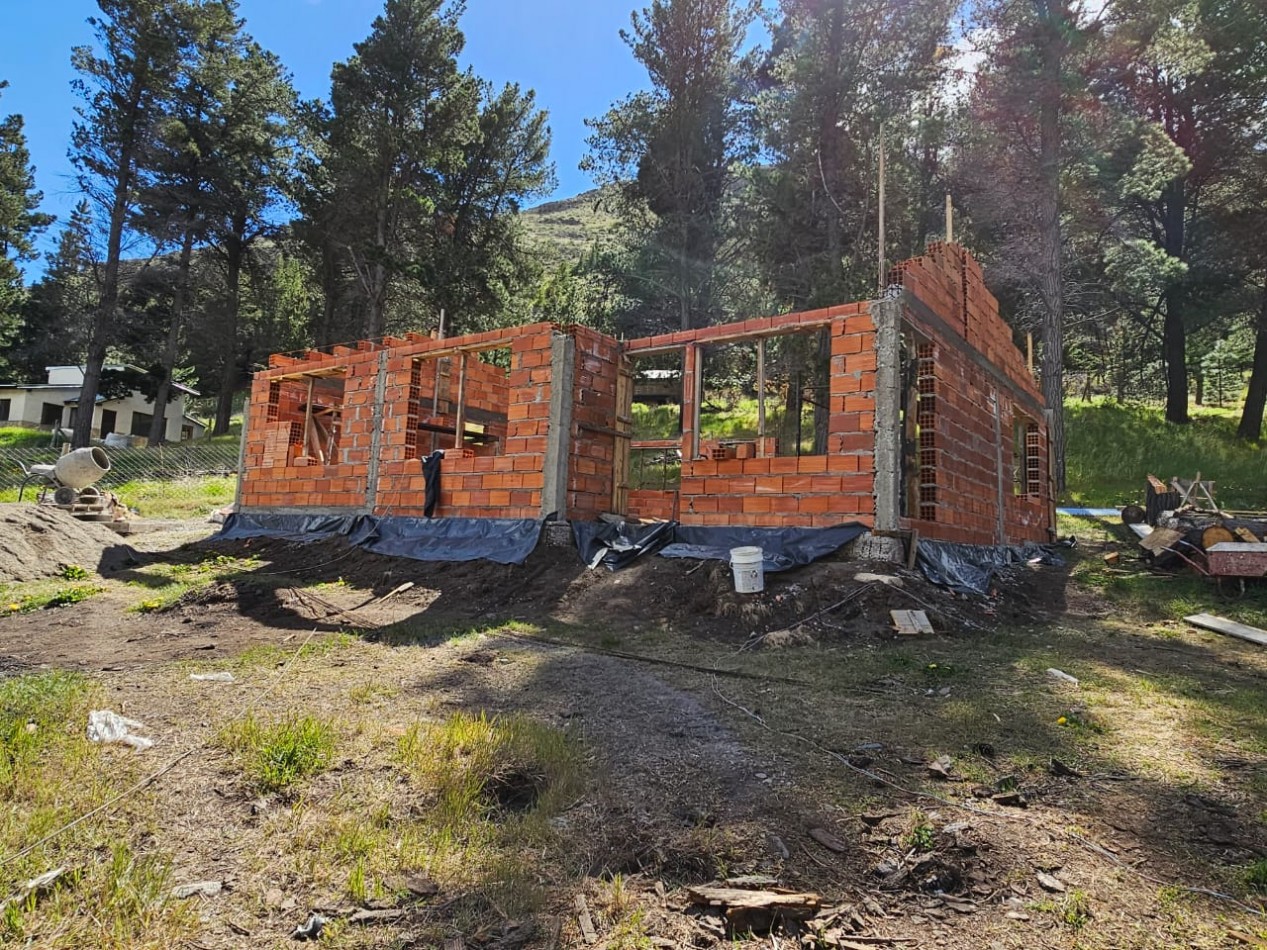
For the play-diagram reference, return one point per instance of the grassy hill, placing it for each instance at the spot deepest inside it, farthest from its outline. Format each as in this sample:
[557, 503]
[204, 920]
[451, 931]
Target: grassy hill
[565, 229]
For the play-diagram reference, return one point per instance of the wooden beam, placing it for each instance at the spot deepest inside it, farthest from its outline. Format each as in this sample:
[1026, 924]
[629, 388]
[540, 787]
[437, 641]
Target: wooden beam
[459, 436]
[722, 334]
[697, 387]
[308, 416]
[761, 388]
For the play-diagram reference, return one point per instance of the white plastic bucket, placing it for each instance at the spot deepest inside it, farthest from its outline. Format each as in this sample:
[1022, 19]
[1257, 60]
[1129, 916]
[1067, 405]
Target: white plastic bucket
[745, 564]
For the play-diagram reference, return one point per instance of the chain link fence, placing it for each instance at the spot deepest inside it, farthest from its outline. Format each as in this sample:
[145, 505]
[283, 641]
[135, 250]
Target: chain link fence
[187, 480]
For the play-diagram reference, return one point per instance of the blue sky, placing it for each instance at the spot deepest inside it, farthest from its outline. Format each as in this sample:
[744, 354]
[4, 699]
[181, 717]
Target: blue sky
[569, 51]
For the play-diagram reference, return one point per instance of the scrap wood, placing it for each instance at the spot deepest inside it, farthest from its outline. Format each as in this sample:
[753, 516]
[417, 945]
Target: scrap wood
[911, 622]
[1161, 539]
[1215, 534]
[740, 902]
[313, 602]
[828, 840]
[585, 920]
[1228, 628]
[399, 589]
[1246, 535]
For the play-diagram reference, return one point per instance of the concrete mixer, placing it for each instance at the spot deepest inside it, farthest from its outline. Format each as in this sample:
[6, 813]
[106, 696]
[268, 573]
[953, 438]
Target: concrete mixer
[69, 484]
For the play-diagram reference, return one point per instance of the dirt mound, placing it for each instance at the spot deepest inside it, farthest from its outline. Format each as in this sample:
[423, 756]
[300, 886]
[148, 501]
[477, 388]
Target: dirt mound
[36, 541]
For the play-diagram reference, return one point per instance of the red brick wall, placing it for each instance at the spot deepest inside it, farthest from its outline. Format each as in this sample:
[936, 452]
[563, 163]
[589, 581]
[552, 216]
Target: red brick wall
[592, 447]
[276, 472]
[507, 485]
[810, 491]
[973, 360]
[948, 281]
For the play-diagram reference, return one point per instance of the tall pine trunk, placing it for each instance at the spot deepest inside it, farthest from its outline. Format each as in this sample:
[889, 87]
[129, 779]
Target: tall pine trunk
[1251, 426]
[1050, 278]
[158, 422]
[1174, 334]
[234, 248]
[102, 331]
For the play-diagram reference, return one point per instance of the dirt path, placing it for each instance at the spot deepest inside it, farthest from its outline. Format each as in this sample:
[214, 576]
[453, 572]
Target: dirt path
[1154, 761]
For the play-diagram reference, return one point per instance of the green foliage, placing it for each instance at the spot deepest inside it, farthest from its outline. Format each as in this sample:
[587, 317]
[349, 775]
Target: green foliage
[20, 223]
[73, 572]
[54, 597]
[922, 836]
[274, 756]
[17, 437]
[1256, 876]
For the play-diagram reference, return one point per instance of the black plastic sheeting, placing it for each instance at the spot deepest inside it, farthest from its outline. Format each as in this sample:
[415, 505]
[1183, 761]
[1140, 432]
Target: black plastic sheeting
[617, 545]
[781, 548]
[970, 568]
[501, 540]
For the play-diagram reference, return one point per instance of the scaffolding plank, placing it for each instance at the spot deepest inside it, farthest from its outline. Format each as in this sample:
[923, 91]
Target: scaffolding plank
[1229, 628]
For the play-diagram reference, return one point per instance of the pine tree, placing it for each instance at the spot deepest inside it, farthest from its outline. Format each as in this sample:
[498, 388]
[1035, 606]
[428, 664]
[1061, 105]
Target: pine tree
[20, 224]
[121, 84]
[672, 152]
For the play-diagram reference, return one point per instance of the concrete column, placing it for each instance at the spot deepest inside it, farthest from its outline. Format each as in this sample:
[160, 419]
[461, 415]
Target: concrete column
[887, 316]
[246, 421]
[376, 434]
[554, 493]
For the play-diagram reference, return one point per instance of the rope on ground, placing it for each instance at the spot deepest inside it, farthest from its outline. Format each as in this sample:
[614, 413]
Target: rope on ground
[654, 660]
[160, 772]
[989, 815]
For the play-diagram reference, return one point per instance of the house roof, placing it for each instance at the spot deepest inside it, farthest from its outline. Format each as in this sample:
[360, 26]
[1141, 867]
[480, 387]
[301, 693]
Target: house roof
[37, 386]
[119, 366]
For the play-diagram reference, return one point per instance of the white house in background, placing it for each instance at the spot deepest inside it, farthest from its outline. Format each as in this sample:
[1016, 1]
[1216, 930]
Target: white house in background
[53, 405]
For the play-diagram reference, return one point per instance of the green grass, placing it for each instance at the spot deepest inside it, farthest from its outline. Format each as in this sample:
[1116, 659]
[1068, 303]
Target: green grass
[17, 437]
[276, 755]
[49, 774]
[1112, 448]
[167, 583]
[178, 499]
[471, 763]
[43, 595]
[162, 500]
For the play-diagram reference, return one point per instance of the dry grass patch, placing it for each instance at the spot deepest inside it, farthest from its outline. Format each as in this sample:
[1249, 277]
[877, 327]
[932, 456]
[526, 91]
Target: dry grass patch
[50, 774]
[490, 787]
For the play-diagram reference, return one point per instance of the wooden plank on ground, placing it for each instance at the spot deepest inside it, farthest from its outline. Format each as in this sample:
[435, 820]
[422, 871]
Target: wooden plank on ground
[911, 622]
[1229, 628]
[1160, 539]
[588, 934]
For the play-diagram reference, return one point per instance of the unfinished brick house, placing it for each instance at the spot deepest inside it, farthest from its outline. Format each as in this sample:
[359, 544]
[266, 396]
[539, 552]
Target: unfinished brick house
[935, 424]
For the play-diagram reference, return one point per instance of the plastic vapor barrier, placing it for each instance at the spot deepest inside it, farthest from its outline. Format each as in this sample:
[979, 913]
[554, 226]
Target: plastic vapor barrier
[781, 548]
[501, 540]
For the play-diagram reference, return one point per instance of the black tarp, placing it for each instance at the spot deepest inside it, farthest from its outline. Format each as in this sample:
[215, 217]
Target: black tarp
[289, 527]
[782, 548]
[501, 540]
[969, 568]
[616, 545]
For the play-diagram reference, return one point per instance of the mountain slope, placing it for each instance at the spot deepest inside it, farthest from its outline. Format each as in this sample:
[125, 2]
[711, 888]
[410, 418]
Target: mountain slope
[565, 229]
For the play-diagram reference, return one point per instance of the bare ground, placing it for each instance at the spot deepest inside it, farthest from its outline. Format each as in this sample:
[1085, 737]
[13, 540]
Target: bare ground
[1145, 779]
